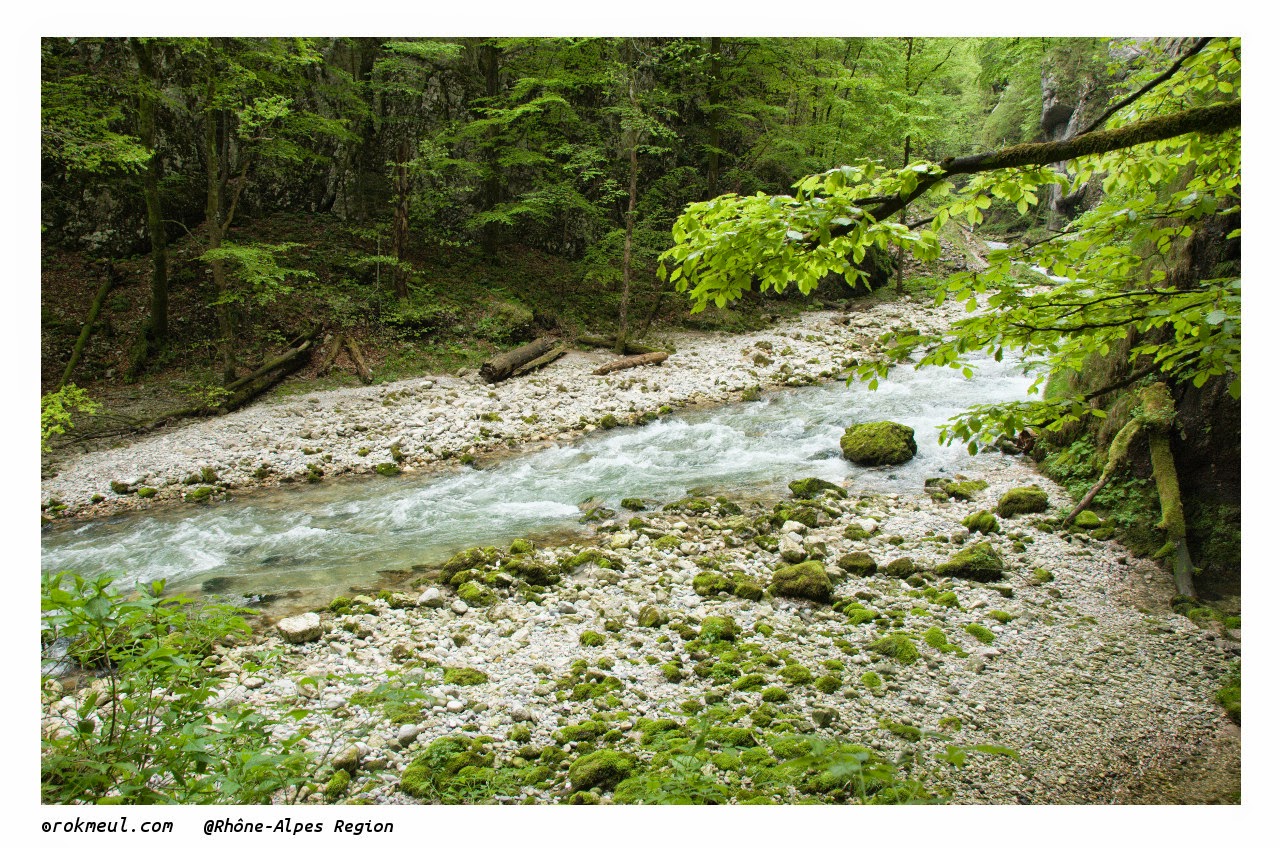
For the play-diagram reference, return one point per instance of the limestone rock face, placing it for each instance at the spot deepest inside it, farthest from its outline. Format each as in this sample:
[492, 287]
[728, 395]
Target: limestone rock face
[300, 628]
[878, 443]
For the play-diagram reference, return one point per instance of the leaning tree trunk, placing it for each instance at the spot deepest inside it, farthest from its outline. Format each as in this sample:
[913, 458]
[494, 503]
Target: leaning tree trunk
[87, 330]
[1157, 414]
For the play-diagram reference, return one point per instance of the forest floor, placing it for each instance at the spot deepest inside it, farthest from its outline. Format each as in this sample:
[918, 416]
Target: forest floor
[1073, 660]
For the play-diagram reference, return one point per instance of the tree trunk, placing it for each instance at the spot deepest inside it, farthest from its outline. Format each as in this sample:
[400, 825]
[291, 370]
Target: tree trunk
[213, 237]
[713, 119]
[400, 224]
[545, 359]
[504, 365]
[157, 331]
[620, 344]
[631, 362]
[87, 330]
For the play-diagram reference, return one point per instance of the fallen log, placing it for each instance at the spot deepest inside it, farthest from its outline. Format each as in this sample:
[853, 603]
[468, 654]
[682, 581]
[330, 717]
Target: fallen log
[504, 365]
[631, 362]
[630, 348]
[362, 370]
[545, 359]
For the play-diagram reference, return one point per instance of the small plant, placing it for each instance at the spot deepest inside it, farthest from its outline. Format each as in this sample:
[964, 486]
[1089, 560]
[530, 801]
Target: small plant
[153, 728]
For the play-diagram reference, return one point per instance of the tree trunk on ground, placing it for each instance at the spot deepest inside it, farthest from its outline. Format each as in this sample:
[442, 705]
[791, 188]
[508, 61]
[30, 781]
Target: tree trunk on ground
[545, 359]
[631, 362]
[87, 330]
[504, 365]
[330, 354]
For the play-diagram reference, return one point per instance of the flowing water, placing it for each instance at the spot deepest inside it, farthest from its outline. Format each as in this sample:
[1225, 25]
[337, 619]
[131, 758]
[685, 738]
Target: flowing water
[304, 545]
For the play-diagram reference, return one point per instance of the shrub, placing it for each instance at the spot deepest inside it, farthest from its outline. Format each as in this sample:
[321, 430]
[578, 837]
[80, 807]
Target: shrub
[157, 732]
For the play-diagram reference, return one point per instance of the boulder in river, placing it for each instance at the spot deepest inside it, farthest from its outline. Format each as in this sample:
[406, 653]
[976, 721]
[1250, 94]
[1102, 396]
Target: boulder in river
[878, 443]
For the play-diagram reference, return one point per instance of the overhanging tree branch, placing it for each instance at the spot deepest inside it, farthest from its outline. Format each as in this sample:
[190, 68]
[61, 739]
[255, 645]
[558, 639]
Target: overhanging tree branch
[1205, 119]
[1173, 69]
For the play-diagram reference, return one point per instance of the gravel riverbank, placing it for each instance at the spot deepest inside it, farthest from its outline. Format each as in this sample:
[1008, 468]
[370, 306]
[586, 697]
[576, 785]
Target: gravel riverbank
[669, 630]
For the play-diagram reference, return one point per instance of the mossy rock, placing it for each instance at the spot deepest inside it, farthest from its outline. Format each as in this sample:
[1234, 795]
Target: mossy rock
[465, 676]
[980, 633]
[1022, 500]
[896, 646]
[147, 492]
[634, 504]
[806, 580]
[878, 443]
[902, 568]
[199, 495]
[1041, 576]
[123, 488]
[812, 487]
[977, 562]
[859, 563]
[1088, 520]
[773, 695]
[719, 628]
[749, 682]
[964, 490]
[601, 769]
[748, 590]
[981, 522]
[855, 533]
[431, 771]
[337, 785]
[591, 639]
[651, 616]
[387, 469]
[710, 583]
[475, 595]
[904, 731]
[666, 543]
[521, 546]
[591, 556]
[690, 506]
[477, 558]
[532, 571]
[827, 683]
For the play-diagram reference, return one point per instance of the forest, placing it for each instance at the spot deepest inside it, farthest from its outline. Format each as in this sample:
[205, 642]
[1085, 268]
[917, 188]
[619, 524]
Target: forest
[640, 420]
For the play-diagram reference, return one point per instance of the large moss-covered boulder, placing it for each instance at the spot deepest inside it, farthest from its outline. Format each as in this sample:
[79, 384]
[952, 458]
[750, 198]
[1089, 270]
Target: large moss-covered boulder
[1022, 500]
[976, 562]
[603, 769]
[806, 580]
[878, 443]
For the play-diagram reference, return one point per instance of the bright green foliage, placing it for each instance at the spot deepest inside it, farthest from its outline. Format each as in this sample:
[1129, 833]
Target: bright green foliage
[1229, 695]
[56, 409]
[154, 730]
[262, 279]
[1113, 265]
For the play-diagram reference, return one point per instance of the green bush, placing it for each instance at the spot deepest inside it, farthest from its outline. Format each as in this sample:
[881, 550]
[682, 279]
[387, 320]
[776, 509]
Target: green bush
[156, 732]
